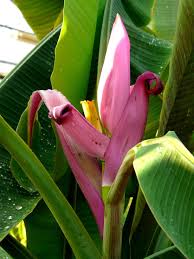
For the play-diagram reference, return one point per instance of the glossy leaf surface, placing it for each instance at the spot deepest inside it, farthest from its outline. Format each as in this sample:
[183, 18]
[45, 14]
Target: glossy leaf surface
[178, 109]
[74, 49]
[31, 74]
[164, 17]
[168, 186]
[42, 15]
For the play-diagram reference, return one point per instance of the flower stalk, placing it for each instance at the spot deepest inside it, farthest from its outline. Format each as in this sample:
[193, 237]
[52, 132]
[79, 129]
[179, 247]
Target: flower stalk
[112, 238]
[113, 216]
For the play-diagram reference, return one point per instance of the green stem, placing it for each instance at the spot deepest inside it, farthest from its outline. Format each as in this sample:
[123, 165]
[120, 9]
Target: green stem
[112, 238]
[74, 231]
[113, 219]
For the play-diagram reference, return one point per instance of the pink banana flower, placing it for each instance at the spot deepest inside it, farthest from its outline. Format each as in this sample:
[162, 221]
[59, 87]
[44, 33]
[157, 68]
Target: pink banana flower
[123, 110]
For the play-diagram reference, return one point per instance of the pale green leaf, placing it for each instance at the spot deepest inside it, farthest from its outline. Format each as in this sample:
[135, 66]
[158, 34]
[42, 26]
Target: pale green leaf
[164, 16]
[4, 254]
[165, 171]
[42, 15]
[178, 109]
[74, 49]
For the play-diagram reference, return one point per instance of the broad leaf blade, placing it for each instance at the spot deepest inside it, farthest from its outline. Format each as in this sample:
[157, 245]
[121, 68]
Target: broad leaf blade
[15, 202]
[43, 232]
[43, 145]
[41, 15]
[139, 11]
[4, 254]
[155, 105]
[41, 216]
[165, 171]
[164, 16]
[178, 109]
[74, 49]
[70, 224]
[31, 74]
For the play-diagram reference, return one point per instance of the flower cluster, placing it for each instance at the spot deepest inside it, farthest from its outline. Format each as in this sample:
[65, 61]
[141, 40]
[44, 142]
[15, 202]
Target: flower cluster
[123, 111]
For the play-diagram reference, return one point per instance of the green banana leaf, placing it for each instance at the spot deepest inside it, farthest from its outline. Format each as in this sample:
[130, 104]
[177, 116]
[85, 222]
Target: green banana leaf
[53, 237]
[164, 16]
[165, 171]
[4, 254]
[15, 202]
[79, 239]
[139, 11]
[74, 50]
[42, 147]
[44, 237]
[178, 109]
[31, 74]
[42, 16]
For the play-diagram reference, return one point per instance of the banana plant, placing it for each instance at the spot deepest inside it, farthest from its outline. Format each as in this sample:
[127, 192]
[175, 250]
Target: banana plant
[114, 183]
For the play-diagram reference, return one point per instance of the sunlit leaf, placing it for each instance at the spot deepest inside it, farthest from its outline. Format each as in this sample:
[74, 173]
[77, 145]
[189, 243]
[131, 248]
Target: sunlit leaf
[31, 74]
[4, 254]
[74, 49]
[165, 171]
[164, 17]
[178, 109]
[42, 15]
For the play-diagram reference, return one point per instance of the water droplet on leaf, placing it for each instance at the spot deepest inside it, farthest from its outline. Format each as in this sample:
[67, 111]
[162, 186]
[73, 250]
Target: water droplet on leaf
[18, 207]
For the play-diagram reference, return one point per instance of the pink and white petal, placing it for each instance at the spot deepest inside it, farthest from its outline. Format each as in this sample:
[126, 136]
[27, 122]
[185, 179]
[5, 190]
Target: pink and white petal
[130, 128]
[90, 140]
[85, 168]
[113, 88]
[87, 174]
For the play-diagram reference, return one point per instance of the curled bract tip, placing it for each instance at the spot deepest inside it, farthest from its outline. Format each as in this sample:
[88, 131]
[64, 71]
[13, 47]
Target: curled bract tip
[154, 85]
[60, 113]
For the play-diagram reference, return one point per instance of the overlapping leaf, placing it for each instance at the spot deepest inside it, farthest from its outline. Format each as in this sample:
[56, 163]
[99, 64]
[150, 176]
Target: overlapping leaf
[139, 11]
[168, 186]
[178, 109]
[164, 16]
[31, 74]
[4, 254]
[74, 49]
[42, 15]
